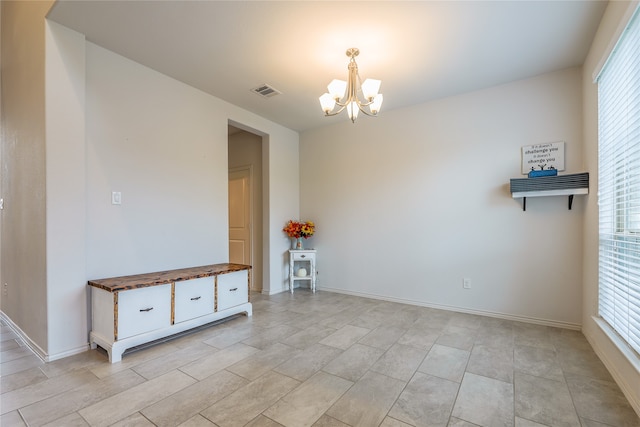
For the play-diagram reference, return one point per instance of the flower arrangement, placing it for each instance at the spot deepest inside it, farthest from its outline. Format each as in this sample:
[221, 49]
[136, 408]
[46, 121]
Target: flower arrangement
[298, 229]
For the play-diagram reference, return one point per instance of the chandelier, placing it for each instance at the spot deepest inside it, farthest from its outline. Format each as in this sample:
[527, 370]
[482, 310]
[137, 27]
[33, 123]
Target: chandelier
[345, 94]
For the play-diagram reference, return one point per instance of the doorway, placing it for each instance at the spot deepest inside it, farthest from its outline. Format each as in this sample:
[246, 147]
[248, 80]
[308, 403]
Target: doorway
[240, 215]
[245, 201]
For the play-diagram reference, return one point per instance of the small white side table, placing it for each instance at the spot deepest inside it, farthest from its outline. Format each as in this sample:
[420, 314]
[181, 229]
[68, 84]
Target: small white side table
[302, 258]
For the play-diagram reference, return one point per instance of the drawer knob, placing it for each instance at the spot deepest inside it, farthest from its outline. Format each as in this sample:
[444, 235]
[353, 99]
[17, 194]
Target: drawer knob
[303, 256]
[195, 298]
[146, 309]
[233, 290]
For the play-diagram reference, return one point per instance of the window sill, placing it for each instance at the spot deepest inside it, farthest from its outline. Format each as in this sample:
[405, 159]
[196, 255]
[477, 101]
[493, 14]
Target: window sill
[619, 343]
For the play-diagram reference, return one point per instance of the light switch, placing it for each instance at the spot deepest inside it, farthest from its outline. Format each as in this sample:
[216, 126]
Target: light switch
[116, 198]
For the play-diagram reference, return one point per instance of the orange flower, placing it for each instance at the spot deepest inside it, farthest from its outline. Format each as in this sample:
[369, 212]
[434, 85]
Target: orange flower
[297, 229]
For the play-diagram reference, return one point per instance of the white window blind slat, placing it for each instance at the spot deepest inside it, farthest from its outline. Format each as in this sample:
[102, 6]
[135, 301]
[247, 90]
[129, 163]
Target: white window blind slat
[619, 186]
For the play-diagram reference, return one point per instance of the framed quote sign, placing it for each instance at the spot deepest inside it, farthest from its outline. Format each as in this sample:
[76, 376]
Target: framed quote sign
[543, 157]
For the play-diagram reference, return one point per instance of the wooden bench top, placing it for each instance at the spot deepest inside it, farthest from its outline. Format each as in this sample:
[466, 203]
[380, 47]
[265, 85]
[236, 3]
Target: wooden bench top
[122, 283]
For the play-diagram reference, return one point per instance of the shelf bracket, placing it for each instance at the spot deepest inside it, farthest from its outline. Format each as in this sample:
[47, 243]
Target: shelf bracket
[570, 201]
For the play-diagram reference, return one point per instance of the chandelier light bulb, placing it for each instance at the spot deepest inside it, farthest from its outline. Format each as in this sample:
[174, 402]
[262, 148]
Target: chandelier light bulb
[327, 103]
[375, 105]
[352, 111]
[337, 89]
[370, 88]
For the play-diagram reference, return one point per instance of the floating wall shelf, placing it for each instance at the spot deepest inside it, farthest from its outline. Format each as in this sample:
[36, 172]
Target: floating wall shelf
[561, 185]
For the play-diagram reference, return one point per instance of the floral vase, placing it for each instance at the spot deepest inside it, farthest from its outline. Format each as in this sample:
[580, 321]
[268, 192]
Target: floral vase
[298, 245]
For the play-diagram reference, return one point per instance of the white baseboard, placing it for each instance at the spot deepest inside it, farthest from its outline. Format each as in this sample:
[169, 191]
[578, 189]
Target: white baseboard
[68, 353]
[279, 291]
[35, 348]
[517, 318]
[272, 292]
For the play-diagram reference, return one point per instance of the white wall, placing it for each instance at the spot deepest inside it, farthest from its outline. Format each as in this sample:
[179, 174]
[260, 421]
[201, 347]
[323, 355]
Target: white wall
[67, 314]
[281, 202]
[157, 141]
[410, 202]
[626, 374]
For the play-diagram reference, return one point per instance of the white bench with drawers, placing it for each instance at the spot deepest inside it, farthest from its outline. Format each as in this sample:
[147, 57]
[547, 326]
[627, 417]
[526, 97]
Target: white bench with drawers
[131, 310]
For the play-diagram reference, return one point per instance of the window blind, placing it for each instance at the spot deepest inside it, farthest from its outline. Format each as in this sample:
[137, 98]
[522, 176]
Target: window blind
[619, 186]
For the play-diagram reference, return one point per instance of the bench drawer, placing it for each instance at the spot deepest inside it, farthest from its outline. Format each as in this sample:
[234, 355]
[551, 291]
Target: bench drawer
[143, 310]
[233, 289]
[193, 298]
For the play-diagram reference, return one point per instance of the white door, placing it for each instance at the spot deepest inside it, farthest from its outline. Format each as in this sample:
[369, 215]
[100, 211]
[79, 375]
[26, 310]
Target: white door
[240, 216]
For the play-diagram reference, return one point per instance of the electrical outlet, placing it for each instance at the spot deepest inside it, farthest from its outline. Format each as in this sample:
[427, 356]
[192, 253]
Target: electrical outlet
[5, 290]
[466, 283]
[116, 198]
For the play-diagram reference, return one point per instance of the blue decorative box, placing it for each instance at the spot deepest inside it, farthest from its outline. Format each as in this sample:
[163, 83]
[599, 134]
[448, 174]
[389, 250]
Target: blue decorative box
[548, 172]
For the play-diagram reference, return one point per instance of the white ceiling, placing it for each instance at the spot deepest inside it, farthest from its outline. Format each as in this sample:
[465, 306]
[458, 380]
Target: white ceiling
[421, 50]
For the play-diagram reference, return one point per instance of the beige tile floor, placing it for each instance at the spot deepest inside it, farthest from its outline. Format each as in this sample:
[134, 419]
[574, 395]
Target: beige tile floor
[325, 359]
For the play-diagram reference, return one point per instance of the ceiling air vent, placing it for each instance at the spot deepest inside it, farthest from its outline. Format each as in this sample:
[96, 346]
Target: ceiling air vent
[266, 91]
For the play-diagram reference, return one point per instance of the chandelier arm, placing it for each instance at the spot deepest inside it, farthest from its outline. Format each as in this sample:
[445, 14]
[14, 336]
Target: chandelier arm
[349, 101]
[356, 99]
[368, 114]
[364, 104]
[342, 107]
